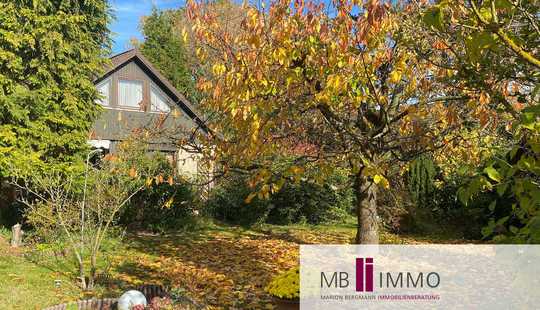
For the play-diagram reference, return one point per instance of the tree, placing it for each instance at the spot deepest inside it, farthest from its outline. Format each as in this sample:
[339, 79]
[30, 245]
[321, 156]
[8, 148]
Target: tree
[470, 44]
[166, 44]
[164, 47]
[473, 44]
[50, 51]
[330, 89]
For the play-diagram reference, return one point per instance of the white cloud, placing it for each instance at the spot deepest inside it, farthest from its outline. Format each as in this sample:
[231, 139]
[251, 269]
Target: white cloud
[131, 7]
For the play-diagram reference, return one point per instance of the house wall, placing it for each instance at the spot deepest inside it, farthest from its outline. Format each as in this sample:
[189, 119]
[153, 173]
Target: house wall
[188, 163]
[117, 123]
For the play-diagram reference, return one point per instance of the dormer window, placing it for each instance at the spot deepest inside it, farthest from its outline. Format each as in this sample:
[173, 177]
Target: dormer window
[158, 101]
[104, 89]
[130, 93]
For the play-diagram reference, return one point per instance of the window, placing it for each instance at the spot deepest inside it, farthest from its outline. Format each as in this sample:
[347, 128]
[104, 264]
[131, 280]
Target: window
[158, 101]
[104, 89]
[130, 93]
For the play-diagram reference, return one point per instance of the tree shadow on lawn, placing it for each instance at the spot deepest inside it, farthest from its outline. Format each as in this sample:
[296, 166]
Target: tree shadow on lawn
[224, 269]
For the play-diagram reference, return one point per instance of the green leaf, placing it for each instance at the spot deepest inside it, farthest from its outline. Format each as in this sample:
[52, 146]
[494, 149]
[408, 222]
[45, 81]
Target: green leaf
[535, 91]
[463, 196]
[534, 109]
[534, 229]
[492, 205]
[501, 189]
[503, 4]
[433, 17]
[477, 43]
[488, 230]
[493, 174]
[502, 220]
[529, 116]
[526, 163]
[486, 13]
[485, 40]
[525, 203]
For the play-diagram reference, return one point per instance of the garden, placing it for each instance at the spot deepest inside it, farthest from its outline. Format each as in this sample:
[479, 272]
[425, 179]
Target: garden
[309, 122]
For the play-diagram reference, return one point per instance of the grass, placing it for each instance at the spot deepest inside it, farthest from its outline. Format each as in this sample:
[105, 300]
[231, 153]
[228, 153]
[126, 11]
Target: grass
[24, 285]
[216, 265]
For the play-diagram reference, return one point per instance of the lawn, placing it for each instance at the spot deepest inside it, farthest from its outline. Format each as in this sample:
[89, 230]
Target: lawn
[24, 285]
[217, 266]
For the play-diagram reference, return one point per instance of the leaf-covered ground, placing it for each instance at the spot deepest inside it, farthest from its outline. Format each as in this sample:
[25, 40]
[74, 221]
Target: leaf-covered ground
[217, 266]
[228, 267]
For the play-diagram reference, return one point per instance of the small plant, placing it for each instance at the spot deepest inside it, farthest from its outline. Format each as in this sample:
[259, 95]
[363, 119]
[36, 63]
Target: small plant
[5, 233]
[286, 285]
[78, 225]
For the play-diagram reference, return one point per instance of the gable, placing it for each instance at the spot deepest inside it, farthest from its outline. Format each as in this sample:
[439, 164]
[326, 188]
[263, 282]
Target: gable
[138, 97]
[134, 57]
[152, 95]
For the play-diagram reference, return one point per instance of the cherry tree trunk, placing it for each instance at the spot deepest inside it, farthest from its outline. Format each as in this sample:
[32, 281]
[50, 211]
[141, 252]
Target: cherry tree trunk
[366, 211]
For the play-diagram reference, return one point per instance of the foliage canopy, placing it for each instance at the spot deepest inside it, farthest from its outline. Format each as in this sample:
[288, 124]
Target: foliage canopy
[164, 47]
[333, 90]
[50, 51]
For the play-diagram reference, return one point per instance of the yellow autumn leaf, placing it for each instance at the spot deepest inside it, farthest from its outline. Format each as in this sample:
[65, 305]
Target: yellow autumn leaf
[250, 197]
[296, 170]
[381, 180]
[336, 82]
[395, 76]
[184, 35]
[218, 69]
[254, 136]
[168, 203]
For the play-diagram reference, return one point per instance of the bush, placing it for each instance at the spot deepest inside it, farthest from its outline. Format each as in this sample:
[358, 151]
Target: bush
[302, 202]
[160, 207]
[167, 201]
[286, 285]
[226, 202]
[507, 187]
[424, 201]
[10, 209]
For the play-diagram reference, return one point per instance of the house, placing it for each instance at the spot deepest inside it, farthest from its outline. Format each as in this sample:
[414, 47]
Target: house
[135, 95]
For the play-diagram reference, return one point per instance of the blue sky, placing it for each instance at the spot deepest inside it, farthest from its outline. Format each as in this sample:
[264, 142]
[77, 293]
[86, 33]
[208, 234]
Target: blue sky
[127, 16]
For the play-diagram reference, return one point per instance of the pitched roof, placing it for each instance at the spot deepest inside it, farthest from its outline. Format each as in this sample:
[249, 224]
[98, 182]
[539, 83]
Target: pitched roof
[120, 60]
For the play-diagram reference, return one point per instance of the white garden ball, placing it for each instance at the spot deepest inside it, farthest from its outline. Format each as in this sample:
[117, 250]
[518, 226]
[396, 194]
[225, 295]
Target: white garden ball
[130, 299]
